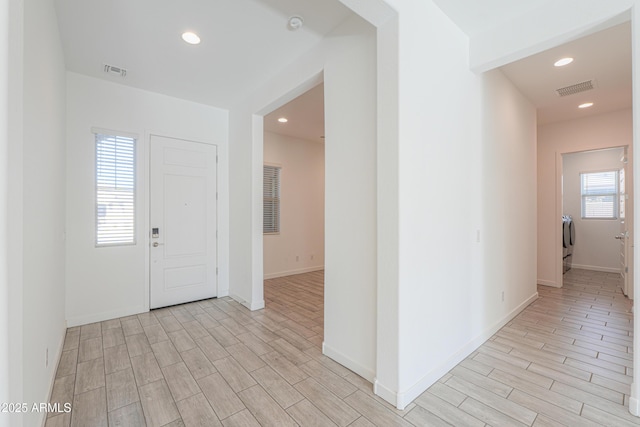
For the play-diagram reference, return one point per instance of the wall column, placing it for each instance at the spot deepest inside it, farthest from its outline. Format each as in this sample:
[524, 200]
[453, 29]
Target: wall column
[634, 401]
[4, 151]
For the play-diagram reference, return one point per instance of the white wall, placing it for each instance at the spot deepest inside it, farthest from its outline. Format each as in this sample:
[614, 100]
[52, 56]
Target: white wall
[5, 342]
[509, 238]
[454, 148]
[37, 154]
[299, 246]
[509, 241]
[351, 197]
[347, 59]
[436, 135]
[15, 203]
[590, 133]
[595, 247]
[108, 282]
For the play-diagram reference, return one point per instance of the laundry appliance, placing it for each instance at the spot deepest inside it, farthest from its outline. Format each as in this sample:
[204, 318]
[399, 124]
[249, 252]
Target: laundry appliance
[568, 240]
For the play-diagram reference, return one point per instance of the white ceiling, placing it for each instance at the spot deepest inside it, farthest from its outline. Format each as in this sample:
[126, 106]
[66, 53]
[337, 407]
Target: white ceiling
[305, 115]
[476, 16]
[604, 56]
[244, 42]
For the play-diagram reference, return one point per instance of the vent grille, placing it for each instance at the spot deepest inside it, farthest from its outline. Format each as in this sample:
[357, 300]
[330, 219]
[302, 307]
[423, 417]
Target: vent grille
[576, 88]
[110, 69]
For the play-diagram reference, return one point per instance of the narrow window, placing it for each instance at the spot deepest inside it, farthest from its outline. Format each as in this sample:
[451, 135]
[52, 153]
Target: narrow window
[271, 200]
[115, 190]
[599, 195]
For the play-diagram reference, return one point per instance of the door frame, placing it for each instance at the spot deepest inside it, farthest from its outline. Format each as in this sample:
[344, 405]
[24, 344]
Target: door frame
[146, 173]
[559, 210]
[257, 143]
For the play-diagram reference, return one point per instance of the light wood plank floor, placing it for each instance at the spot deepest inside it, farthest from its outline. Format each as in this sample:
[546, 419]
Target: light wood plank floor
[566, 360]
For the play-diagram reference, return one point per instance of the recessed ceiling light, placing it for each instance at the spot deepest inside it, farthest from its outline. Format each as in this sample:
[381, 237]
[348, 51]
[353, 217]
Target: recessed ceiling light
[562, 62]
[191, 38]
[586, 105]
[283, 120]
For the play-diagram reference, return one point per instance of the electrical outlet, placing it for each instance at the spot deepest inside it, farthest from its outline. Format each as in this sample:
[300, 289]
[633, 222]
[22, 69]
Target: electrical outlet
[502, 296]
[46, 358]
[297, 258]
[311, 257]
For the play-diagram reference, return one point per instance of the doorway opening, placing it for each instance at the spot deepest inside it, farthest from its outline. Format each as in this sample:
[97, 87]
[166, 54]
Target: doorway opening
[293, 214]
[573, 117]
[584, 105]
[598, 214]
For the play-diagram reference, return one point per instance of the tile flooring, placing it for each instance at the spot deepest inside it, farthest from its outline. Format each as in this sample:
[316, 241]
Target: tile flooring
[566, 360]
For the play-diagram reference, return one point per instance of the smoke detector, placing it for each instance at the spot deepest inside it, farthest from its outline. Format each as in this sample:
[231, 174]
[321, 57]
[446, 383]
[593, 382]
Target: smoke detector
[577, 88]
[118, 71]
[295, 23]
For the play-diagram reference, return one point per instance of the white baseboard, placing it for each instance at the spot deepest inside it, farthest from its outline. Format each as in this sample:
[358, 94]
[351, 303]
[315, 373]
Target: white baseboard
[106, 315]
[549, 283]
[596, 268]
[634, 405]
[253, 305]
[52, 380]
[345, 361]
[292, 272]
[385, 393]
[404, 398]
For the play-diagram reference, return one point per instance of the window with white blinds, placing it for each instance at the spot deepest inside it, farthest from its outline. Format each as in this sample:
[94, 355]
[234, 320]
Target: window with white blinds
[115, 190]
[599, 195]
[271, 199]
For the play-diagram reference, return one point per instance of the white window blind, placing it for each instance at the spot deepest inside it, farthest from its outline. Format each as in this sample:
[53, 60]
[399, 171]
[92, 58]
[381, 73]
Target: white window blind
[271, 199]
[599, 195]
[115, 190]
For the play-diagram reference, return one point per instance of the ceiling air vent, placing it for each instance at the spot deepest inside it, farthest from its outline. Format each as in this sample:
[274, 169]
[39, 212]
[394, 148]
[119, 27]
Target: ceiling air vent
[110, 69]
[576, 88]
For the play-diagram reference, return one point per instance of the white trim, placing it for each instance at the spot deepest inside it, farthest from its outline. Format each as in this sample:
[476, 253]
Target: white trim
[549, 283]
[106, 315]
[103, 131]
[348, 363]
[293, 272]
[634, 405]
[596, 268]
[272, 164]
[384, 392]
[283, 92]
[253, 305]
[404, 398]
[146, 216]
[57, 358]
[256, 305]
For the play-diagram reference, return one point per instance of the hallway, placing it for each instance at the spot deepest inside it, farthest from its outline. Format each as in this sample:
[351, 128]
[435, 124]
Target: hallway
[565, 360]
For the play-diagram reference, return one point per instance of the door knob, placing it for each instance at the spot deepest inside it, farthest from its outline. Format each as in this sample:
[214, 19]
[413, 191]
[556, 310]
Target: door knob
[619, 236]
[156, 244]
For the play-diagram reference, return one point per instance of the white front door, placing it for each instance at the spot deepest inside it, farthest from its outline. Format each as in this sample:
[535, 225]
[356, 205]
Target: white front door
[183, 221]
